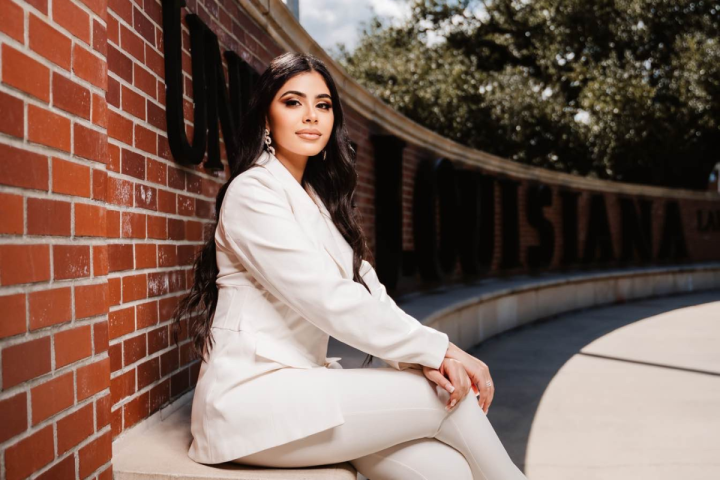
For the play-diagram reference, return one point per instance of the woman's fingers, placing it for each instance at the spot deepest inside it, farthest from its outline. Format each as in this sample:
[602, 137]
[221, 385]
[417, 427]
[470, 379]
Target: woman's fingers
[460, 379]
[439, 378]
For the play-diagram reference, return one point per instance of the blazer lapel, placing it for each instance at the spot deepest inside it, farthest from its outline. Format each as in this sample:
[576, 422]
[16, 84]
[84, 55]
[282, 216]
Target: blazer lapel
[313, 217]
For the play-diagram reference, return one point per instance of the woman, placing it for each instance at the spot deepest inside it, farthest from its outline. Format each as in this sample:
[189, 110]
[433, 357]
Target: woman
[284, 270]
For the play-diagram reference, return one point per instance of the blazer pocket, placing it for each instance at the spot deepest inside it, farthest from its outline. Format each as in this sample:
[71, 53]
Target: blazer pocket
[281, 353]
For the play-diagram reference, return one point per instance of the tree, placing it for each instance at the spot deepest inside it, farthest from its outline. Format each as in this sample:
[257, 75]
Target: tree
[625, 90]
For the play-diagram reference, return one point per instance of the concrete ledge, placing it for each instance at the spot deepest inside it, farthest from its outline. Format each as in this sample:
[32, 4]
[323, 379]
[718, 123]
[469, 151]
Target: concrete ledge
[158, 451]
[475, 312]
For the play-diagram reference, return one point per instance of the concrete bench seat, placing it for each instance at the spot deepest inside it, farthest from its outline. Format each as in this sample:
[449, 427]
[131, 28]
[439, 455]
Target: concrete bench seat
[158, 451]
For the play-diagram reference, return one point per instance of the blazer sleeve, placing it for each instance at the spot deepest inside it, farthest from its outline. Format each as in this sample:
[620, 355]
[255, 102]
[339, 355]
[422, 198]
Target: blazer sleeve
[260, 228]
[380, 293]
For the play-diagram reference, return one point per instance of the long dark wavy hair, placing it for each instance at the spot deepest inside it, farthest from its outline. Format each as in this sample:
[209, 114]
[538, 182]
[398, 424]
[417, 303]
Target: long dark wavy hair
[334, 179]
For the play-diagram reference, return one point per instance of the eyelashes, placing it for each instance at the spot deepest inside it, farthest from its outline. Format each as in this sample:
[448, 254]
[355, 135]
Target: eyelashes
[289, 102]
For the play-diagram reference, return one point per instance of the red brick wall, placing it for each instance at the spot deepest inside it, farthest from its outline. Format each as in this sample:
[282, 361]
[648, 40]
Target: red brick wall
[99, 226]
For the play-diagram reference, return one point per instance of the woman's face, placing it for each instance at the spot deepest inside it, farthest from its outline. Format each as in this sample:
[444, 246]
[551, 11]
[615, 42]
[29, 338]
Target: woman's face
[303, 103]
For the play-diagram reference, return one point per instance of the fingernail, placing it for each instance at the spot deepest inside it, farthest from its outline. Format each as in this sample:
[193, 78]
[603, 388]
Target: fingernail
[451, 389]
[452, 404]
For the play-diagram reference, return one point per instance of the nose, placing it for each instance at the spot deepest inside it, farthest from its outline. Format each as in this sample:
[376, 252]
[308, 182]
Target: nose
[311, 115]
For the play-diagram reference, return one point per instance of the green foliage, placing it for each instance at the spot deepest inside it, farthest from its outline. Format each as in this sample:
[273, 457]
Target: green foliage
[626, 90]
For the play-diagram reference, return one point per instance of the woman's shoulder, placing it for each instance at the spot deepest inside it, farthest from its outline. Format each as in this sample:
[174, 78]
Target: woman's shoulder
[253, 181]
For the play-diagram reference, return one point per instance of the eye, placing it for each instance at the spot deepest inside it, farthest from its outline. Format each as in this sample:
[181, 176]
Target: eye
[291, 102]
[327, 106]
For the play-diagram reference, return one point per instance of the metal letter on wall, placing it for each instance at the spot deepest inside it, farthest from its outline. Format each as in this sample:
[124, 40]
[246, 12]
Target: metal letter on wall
[636, 229]
[510, 226]
[212, 101]
[476, 236]
[539, 196]
[435, 231]
[598, 234]
[672, 240]
[388, 207]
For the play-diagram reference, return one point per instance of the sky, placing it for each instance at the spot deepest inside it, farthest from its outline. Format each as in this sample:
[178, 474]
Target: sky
[333, 21]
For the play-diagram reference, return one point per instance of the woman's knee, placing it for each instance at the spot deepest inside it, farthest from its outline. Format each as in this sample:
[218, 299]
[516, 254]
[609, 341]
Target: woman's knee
[420, 459]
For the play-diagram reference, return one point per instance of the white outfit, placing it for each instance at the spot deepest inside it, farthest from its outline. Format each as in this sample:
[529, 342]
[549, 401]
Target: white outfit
[284, 286]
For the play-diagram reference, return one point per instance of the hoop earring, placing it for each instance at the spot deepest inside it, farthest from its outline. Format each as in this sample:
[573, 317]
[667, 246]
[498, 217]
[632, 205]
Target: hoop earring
[268, 147]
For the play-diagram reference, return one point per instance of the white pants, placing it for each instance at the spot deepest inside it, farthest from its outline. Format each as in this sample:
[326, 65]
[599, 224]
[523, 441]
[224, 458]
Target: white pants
[396, 427]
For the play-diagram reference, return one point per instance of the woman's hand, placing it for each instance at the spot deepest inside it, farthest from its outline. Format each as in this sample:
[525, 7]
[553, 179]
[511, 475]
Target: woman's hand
[478, 372]
[452, 377]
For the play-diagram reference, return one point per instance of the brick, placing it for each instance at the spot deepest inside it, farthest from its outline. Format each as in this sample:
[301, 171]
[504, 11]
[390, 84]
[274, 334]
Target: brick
[13, 23]
[73, 18]
[136, 409]
[134, 287]
[29, 454]
[112, 96]
[145, 80]
[133, 103]
[70, 178]
[157, 227]
[99, 38]
[120, 128]
[102, 411]
[100, 337]
[113, 30]
[89, 220]
[120, 192]
[52, 397]
[155, 62]
[97, 6]
[64, 469]
[25, 361]
[145, 255]
[91, 300]
[74, 428]
[25, 73]
[158, 339]
[156, 115]
[122, 386]
[156, 172]
[120, 64]
[72, 345]
[113, 224]
[145, 197]
[95, 454]
[12, 214]
[99, 185]
[48, 128]
[100, 260]
[133, 164]
[13, 416]
[148, 372]
[49, 42]
[50, 307]
[134, 349]
[24, 264]
[132, 225]
[121, 322]
[89, 67]
[48, 217]
[167, 255]
[92, 379]
[71, 261]
[145, 139]
[14, 313]
[132, 43]
[70, 96]
[20, 168]
[115, 355]
[99, 110]
[90, 144]
[147, 314]
[12, 120]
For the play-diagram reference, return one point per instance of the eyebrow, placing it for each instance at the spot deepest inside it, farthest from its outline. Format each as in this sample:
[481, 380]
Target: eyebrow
[301, 94]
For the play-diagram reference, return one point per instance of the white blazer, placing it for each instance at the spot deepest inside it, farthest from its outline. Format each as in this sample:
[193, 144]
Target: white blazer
[284, 286]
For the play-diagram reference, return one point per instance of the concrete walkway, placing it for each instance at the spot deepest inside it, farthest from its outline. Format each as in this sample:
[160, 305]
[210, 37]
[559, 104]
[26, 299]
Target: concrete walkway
[628, 391]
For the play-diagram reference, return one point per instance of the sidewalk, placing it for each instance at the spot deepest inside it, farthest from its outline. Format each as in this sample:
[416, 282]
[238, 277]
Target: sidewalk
[628, 391]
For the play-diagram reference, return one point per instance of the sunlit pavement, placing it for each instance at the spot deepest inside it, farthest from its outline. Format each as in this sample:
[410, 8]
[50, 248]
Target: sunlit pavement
[629, 391]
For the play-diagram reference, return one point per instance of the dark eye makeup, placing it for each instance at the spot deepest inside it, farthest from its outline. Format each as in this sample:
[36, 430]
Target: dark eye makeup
[289, 102]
